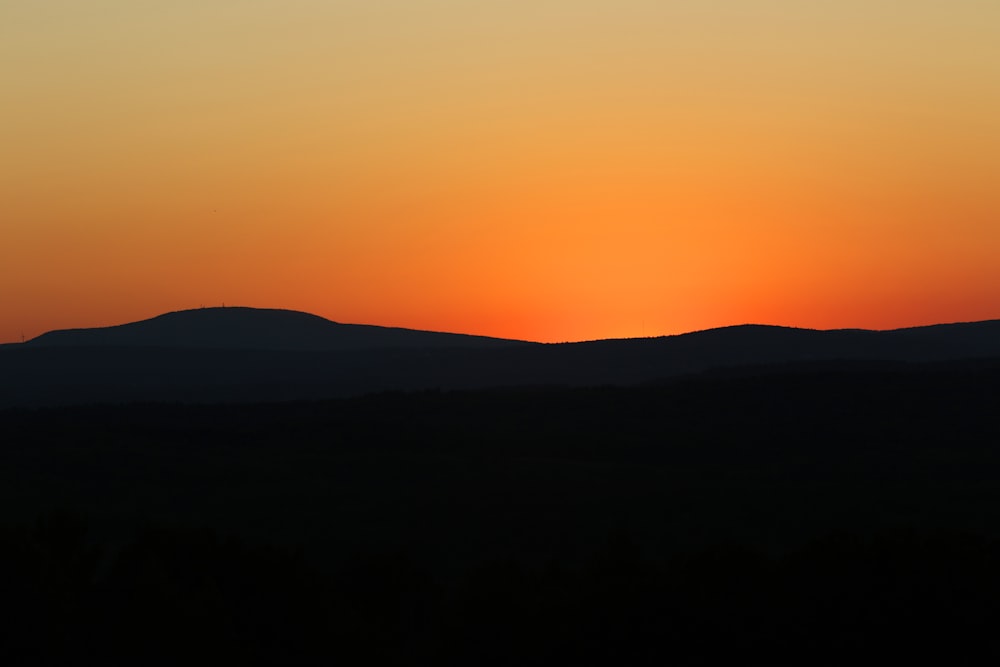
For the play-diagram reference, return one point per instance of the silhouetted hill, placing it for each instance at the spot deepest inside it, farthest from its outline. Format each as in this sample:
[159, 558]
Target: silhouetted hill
[255, 329]
[249, 355]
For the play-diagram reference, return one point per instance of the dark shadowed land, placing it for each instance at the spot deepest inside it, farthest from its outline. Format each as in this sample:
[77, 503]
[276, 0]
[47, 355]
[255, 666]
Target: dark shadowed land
[770, 511]
[242, 354]
[782, 515]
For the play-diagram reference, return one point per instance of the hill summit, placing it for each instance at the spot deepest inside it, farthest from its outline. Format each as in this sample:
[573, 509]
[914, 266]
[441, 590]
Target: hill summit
[241, 328]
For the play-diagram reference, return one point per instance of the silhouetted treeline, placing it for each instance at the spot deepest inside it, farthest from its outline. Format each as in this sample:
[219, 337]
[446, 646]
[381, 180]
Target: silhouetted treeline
[514, 526]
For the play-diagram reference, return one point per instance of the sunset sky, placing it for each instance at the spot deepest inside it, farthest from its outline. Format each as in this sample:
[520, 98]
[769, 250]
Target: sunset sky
[541, 169]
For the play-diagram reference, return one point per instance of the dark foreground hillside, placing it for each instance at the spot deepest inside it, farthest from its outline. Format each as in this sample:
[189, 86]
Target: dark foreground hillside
[240, 355]
[797, 515]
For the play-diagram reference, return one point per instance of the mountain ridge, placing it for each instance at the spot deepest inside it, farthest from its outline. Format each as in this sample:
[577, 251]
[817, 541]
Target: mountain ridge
[240, 315]
[241, 327]
[169, 364]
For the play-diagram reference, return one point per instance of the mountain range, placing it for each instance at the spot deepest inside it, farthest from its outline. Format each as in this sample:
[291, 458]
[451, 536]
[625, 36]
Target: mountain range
[250, 355]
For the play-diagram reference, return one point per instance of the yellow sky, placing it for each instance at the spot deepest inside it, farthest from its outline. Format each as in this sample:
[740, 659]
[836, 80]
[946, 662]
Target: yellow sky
[551, 170]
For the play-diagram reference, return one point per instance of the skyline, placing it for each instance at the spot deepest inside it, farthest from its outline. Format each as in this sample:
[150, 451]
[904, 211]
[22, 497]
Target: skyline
[546, 171]
[378, 326]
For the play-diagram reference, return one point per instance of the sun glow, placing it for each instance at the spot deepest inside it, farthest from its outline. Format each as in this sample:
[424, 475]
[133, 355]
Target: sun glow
[544, 170]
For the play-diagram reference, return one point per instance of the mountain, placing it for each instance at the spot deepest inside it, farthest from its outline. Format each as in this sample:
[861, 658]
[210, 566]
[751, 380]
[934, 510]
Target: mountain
[255, 329]
[249, 355]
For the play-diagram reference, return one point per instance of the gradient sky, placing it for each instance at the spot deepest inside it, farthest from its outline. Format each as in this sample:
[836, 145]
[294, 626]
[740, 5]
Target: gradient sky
[541, 169]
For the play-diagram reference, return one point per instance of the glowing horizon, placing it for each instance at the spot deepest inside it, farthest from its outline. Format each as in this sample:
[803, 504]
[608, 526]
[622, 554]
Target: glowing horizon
[545, 170]
[472, 333]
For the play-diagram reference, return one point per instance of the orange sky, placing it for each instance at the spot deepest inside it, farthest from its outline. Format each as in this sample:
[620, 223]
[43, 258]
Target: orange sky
[545, 169]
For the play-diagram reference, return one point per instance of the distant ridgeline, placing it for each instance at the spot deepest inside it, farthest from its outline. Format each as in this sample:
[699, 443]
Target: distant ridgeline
[247, 354]
[255, 329]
